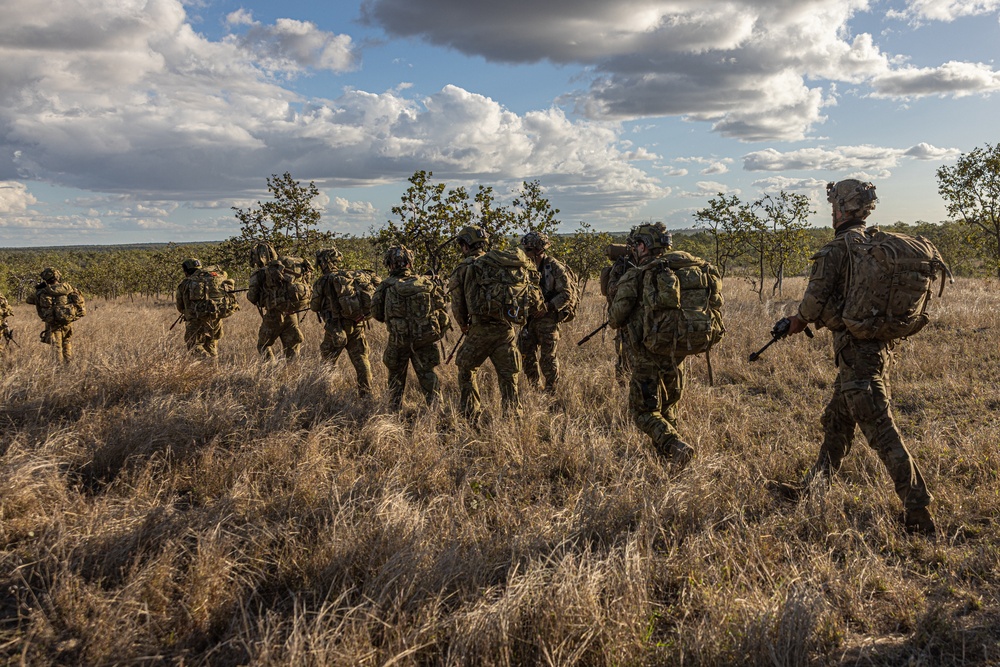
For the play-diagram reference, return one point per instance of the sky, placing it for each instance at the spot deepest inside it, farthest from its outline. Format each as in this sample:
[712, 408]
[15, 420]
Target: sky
[148, 120]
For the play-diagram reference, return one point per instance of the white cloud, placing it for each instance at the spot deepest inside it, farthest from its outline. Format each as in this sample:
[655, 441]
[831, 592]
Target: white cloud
[14, 197]
[944, 10]
[291, 46]
[717, 167]
[864, 158]
[957, 79]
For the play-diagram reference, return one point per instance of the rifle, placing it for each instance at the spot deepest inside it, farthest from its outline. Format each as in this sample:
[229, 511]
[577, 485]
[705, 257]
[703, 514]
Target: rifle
[593, 333]
[237, 291]
[176, 322]
[455, 349]
[8, 335]
[779, 331]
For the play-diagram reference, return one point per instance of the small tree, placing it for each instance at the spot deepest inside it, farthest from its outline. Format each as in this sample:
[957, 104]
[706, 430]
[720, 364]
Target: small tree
[722, 220]
[532, 210]
[584, 252]
[288, 222]
[971, 191]
[786, 216]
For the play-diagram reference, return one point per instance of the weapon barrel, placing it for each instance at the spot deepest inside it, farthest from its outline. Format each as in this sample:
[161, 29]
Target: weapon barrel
[593, 333]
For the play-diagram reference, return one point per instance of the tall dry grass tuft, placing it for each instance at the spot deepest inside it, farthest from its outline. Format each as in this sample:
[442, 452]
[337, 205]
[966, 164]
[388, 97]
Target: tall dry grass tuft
[157, 509]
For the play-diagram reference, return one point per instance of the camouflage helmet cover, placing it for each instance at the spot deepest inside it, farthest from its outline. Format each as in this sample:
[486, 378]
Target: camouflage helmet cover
[327, 258]
[655, 236]
[261, 254]
[50, 274]
[190, 264]
[472, 236]
[534, 241]
[852, 196]
[397, 257]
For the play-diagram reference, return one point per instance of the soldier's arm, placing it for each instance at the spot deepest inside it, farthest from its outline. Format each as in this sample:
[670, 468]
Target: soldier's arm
[824, 284]
[179, 297]
[378, 301]
[562, 290]
[626, 298]
[253, 291]
[456, 289]
[316, 302]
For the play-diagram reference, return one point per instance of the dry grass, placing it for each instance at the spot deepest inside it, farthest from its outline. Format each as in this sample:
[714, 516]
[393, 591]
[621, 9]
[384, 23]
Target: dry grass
[156, 510]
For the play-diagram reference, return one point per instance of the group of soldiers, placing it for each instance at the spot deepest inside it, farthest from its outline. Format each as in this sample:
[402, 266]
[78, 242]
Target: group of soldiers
[491, 293]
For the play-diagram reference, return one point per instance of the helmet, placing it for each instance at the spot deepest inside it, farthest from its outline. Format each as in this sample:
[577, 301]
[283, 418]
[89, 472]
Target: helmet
[51, 275]
[534, 241]
[328, 258]
[190, 265]
[472, 236]
[852, 196]
[261, 254]
[397, 257]
[655, 236]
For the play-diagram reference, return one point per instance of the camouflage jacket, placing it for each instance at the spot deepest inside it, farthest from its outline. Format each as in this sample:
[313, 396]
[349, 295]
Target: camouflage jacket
[456, 289]
[618, 269]
[5, 309]
[823, 302]
[554, 283]
[378, 301]
[625, 311]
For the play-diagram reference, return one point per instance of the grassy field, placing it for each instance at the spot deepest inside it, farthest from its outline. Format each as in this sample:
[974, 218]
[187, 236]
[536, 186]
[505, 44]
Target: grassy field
[158, 510]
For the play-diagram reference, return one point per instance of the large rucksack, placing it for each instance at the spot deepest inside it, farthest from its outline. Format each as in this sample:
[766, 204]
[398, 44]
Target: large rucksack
[568, 311]
[415, 311]
[682, 305]
[286, 285]
[209, 294]
[347, 294]
[59, 304]
[889, 281]
[505, 287]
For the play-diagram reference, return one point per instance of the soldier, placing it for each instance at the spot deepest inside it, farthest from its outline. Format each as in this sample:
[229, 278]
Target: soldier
[621, 255]
[487, 334]
[280, 290]
[338, 298]
[657, 379]
[58, 305]
[5, 330]
[413, 309]
[204, 298]
[861, 395]
[539, 338]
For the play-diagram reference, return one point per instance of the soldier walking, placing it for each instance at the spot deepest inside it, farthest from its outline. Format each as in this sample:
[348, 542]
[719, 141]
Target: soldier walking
[414, 311]
[5, 331]
[58, 304]
[342, 299]
[204, 298]
[861, 395]
[280, 290]
[539, 338]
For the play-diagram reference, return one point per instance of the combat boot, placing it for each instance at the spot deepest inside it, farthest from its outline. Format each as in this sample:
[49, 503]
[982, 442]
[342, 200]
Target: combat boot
[675, 450]
[919, 522]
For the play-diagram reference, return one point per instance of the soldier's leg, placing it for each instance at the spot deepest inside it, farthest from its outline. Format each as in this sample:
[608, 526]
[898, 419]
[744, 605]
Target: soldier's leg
[396, 359]
[64, 346]
[647, 396]
[507, 362]
[425, 360]
[270, 329]
[474, 351]
[357, 350]
[548, 343]
[867, 397]
[291, 336]
[334, 342]
[621, 362]
[527, 346]
[212, 340]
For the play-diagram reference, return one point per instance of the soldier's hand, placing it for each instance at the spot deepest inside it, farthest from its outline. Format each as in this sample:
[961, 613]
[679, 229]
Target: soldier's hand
[796, 325]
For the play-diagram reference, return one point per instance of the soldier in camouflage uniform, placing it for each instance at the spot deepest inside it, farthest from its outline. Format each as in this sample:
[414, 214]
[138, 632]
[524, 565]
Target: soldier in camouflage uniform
[484, 338]
[339, 333]
[539, 338]
[400, 354]
[274, 324]
[622, 263]
[5, 330]
[657, 380]
[201, 334]
[52, 296]
[861, 395]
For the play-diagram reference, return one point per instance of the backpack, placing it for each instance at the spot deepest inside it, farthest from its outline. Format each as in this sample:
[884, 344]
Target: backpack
[59, 304]
[568, 311]
[209, 294]
[889, 281]
[415, 311]
[286, 285]
[355, 294]
[682, 305]
[505, 287]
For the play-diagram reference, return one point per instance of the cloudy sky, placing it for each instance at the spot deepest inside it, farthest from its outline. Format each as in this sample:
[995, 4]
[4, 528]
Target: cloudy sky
[146, 120]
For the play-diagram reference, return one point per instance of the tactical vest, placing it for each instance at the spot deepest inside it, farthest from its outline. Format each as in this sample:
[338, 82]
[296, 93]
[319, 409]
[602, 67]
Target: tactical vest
[889, 283]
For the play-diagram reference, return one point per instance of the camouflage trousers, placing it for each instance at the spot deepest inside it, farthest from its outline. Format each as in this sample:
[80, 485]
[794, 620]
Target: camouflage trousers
[398, 358]
[202, 336]
[60, 338]
[861, 397]
[655, 389]
[343, 335]
[621, 357]
[493, 341]
[276, 326]
[537, 344]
